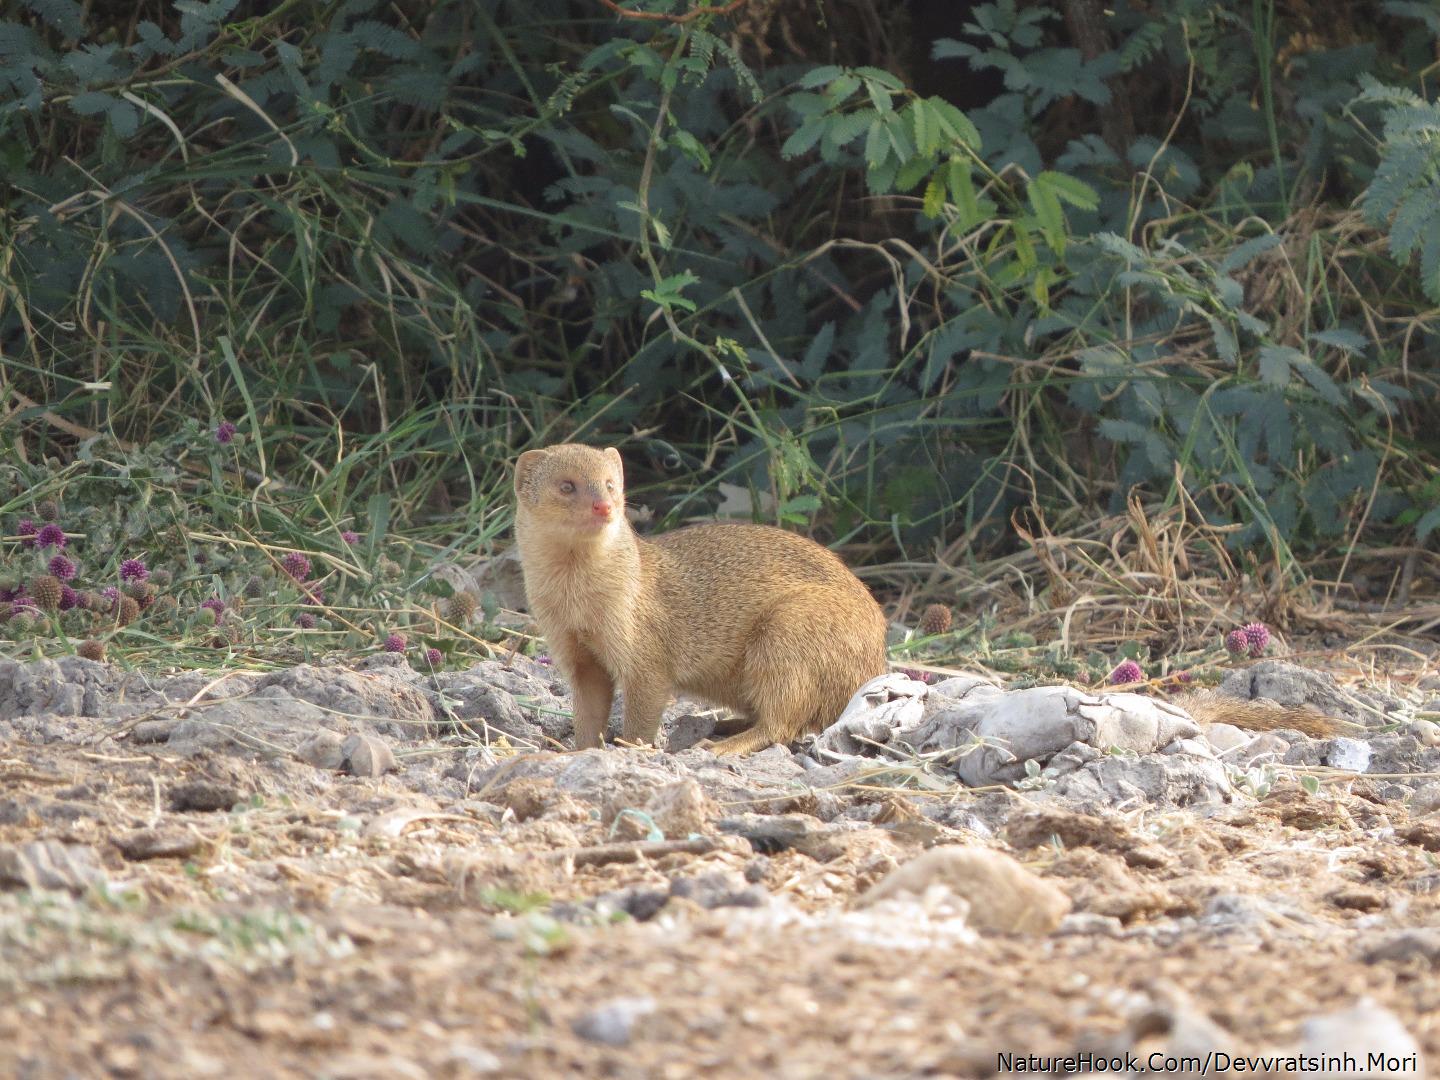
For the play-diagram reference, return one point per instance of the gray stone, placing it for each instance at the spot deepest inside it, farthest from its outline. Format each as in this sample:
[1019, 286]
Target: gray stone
[159, 844]
[204, 796]
[613, 1023]
[49, 864]
[367, 755]
[1426, 799]
[1422, 943]
[323, 750]
[719, 888]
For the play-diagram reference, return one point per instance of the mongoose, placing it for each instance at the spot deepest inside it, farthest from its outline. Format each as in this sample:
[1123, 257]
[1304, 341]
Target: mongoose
[749, 617]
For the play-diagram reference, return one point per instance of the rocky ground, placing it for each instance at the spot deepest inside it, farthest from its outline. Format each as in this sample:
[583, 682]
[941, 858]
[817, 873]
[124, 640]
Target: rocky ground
[332, 872]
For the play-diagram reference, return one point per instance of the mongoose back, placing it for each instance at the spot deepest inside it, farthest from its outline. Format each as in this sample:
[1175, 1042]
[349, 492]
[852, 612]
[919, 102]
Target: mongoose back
[750, 617]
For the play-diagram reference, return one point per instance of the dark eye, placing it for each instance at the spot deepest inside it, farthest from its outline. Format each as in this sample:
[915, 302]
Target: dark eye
[609, 485]
[567, 488]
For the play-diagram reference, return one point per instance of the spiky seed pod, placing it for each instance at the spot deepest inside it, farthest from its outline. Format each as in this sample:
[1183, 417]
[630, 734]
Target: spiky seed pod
[91, 649]
[129, 611]
[254, 587]
[148, 593]
[22, 621]
[935, 619]
[48, 510]
[166, 605]
[46, 590]
[92, 601]
[462, 608]
[162, 578]
[206, 617]
[305, 621]
[389, 569]
[395, 643]
[434, 657]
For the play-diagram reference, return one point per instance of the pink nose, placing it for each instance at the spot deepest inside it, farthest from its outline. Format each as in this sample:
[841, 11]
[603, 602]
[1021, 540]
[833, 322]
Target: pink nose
[601, 508]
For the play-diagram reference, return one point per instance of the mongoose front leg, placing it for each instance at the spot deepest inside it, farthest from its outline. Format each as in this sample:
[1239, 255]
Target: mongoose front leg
[644, 702]
[594, 693]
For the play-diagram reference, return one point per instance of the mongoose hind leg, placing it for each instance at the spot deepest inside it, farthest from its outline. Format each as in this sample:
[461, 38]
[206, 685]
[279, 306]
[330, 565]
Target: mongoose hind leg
[748, 741]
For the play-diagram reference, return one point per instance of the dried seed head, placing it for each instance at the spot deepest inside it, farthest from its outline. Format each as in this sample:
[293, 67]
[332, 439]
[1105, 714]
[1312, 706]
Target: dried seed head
[462, 608]
[128, 612]
[92, 650]
[46, 590]
[935, 620]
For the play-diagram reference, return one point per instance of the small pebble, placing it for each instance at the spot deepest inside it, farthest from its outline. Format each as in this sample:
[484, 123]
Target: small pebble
[206, 796]
[613, 1023]
[1426, 731]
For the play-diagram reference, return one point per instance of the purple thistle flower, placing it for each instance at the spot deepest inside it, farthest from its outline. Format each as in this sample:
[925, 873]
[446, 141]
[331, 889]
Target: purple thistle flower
[1257, 635]
[134, 570]
[214, 604]
[350, 536]
[1185, 676]
[543, 658]
[314, 595]
[305, 621]
[69, 598]
[296, 565]
[1236, 643]
[1126, 672]
[919, 676]
[26, 528]
[225, 432]
[62, 568]
[112, 594]
[434, 657]
[50, 536]
[6, 595]
[395, 643]
[24, 603]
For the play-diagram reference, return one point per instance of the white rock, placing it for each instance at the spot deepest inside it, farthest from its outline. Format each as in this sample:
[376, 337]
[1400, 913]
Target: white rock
[1372, 1035]
[1352, 755]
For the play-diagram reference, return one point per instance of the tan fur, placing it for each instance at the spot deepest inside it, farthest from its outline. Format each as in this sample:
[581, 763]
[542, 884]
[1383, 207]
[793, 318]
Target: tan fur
[750, 617]
[1258, 715]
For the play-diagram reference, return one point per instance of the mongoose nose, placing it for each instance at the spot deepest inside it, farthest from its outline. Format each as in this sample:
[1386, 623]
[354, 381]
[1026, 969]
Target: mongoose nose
[601, 509]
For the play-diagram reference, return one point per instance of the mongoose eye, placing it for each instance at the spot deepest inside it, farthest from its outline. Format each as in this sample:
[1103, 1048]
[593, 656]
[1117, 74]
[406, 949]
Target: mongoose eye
[567, 488]
[609, 485]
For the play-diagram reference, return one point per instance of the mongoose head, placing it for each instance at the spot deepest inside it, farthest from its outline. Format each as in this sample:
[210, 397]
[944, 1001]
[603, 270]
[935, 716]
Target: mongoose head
[572, 487]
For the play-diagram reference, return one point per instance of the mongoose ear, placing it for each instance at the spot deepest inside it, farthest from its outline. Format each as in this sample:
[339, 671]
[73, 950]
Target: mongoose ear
[613, 456]
[525, 465]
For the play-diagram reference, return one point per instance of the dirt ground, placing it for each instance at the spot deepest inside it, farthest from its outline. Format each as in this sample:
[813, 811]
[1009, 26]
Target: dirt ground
[225, 909]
